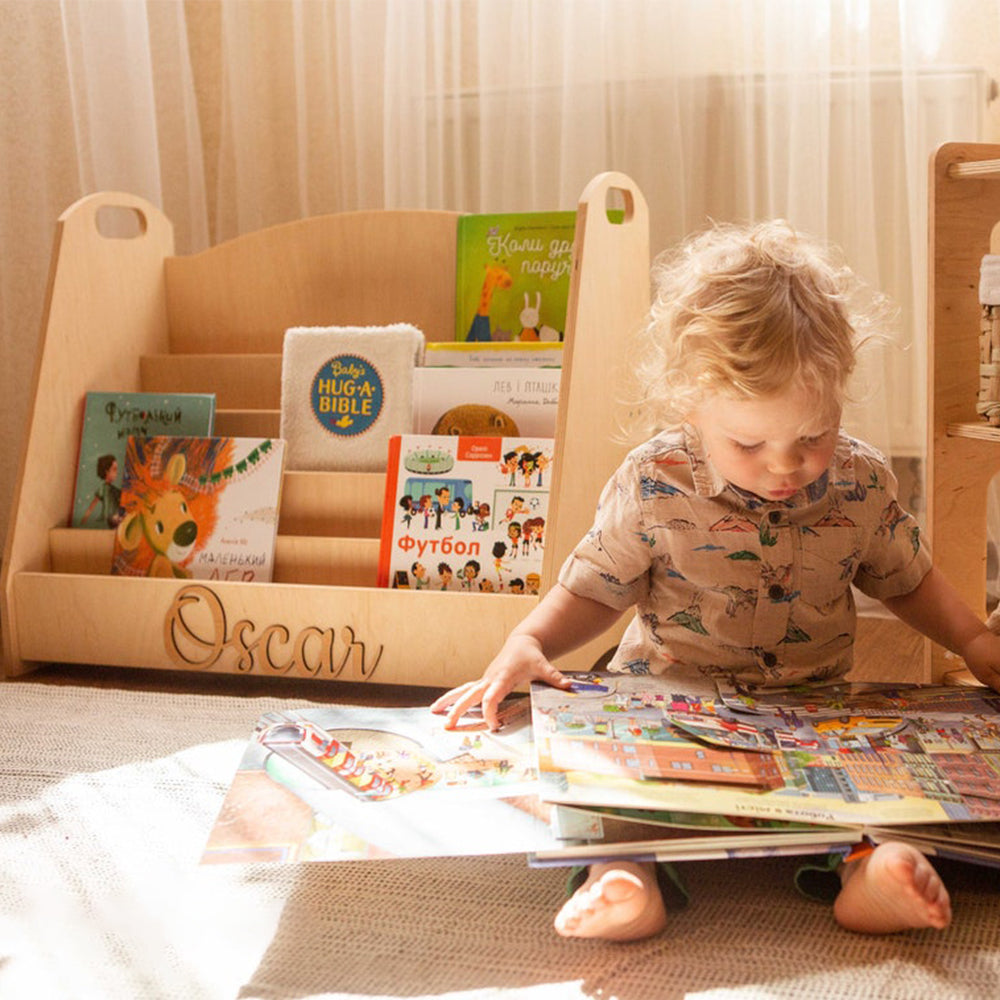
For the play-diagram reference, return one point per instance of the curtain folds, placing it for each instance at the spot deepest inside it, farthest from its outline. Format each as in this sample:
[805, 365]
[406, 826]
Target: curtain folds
[238, 114]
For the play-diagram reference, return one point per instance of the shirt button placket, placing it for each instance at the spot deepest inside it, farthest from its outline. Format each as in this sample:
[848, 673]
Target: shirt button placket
[773, 607]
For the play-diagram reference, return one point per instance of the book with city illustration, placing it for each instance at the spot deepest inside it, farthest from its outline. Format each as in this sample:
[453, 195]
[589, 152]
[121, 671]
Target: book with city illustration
[109, 420]
[860, 756]
[600, 772]
[345, 783]
[512, 276]
[465, 513]
[199, 507]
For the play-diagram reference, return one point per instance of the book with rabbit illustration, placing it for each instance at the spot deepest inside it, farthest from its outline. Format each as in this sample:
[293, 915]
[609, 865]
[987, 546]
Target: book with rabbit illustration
[203, 508]
[512, 276]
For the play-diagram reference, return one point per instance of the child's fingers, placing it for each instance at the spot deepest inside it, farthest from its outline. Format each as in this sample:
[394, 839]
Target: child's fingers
[472, 696]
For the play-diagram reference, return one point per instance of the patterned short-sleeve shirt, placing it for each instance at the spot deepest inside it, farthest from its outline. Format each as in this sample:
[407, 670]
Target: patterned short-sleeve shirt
[739, 586]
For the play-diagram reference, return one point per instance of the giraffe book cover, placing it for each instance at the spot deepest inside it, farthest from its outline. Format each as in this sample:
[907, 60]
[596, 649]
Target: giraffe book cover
[512, 277]
[199, 508]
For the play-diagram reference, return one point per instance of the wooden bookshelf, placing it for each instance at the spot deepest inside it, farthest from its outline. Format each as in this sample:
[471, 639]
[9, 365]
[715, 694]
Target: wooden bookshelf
[129, 314]
[963, 452]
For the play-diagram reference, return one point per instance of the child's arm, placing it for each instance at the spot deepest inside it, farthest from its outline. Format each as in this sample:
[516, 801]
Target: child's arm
[559, 623]
[936, 609]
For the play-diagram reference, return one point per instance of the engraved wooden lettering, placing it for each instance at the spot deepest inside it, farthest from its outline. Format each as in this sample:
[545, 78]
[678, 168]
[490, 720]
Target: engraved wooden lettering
[196, 634]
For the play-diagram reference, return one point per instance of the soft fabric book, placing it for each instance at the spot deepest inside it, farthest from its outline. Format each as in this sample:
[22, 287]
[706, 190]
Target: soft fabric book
[199, 508]
[512, 276]
[345, 390]
[109, 420]
[465, 514]
[490, 402]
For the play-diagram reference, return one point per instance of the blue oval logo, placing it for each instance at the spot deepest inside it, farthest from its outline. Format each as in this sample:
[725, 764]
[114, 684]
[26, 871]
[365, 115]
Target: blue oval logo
[347, 395]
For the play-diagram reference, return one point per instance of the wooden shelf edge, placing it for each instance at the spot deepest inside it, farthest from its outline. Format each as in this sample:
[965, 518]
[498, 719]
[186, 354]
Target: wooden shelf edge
[974, 431]
[275, 629]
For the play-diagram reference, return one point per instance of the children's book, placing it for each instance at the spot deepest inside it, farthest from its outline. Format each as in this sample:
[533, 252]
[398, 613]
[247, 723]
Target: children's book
[361, 783]
[495, 354]
[334, 783]
[465, 513]
[345, 390]
[512, 276]
[930, 755]
[109, 420]
[487, 402]
[203, 508]
[343, 783]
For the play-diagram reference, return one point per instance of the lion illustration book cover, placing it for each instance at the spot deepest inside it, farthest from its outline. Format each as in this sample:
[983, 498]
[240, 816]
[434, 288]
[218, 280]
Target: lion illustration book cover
[109, 420]
[465, 514]
[199, 508]
[512, 276]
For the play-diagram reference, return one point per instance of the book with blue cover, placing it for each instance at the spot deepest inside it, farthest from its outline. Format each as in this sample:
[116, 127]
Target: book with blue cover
[109, 420]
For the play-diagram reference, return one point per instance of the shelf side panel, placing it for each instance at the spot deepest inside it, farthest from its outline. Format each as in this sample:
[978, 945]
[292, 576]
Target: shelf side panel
[104, 306]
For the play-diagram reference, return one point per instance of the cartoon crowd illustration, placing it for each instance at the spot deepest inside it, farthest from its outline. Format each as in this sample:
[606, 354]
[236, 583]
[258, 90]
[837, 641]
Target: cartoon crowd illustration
[485, 535]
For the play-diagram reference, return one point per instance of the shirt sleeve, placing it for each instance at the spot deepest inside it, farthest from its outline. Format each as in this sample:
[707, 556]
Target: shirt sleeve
[895, 559]
[611, 563]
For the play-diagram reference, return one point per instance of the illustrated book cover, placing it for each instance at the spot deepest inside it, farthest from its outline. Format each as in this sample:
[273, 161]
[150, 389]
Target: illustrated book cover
[465, 513]
[109, 420]
[344, 392]
[490, 402]
[512, 276]
[203, 508]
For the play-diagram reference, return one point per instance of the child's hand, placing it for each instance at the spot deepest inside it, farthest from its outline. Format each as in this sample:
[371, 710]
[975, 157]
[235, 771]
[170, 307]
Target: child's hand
[982, 657]
[520, 660]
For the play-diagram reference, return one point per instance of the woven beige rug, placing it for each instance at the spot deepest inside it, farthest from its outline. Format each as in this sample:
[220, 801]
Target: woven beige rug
[107, 797]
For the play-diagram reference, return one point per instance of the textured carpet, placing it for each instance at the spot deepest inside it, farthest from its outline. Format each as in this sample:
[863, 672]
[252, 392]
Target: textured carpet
[107, 796]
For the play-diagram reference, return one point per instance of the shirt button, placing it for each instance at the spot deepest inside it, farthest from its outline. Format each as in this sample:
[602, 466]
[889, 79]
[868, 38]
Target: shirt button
[776, 592]
[774, 516]
[769, 659]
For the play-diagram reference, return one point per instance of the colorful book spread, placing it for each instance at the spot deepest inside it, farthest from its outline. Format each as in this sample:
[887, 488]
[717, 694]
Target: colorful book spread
[109, 420]
[353, 783]
[334, 784]
[465, 513]
[512, 276]
[202, 508]
[821, 757]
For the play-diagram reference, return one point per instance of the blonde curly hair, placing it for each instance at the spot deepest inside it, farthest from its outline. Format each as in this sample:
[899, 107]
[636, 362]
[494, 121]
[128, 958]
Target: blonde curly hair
[745, 311]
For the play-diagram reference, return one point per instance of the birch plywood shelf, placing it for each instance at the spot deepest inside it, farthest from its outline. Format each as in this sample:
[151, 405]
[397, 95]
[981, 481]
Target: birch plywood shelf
[963, 452]
[129, 314]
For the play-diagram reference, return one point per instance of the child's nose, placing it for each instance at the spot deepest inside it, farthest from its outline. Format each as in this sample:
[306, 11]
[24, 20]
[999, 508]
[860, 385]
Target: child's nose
[786, 460]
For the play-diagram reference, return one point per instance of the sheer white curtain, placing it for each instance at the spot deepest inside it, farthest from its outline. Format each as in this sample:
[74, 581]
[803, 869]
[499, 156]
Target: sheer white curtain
[237, 114]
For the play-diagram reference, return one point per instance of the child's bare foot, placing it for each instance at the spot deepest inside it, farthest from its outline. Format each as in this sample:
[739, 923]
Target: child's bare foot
[895, 888]
[618, 902]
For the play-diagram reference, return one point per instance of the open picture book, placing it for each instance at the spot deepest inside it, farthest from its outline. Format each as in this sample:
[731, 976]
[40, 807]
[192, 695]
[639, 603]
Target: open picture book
[625, 766]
